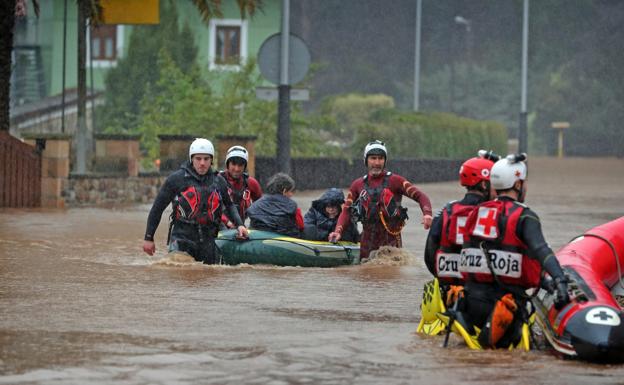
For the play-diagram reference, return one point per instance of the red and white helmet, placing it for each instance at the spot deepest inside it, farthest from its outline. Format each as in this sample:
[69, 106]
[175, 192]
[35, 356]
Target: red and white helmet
[475, 170]
[507, 171]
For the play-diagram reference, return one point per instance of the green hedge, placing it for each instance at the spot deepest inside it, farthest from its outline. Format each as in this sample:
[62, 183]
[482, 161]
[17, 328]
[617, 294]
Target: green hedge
[430, 135]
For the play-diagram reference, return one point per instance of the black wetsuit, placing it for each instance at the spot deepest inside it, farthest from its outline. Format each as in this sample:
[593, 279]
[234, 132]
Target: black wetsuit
[189, 236]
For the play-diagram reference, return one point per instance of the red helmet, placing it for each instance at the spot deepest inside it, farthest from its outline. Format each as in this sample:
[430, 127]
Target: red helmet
[475, 170]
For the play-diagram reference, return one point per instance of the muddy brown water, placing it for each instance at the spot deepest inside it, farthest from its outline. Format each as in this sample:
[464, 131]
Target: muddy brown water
[80, 303]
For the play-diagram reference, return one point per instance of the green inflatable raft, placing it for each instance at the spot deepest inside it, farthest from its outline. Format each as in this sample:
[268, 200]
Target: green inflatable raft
[267, 248]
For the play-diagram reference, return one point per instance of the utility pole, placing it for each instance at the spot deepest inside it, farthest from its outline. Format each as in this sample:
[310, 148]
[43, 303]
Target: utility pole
[417, 56]
[522, 126]
[283, 106]
[81, 129]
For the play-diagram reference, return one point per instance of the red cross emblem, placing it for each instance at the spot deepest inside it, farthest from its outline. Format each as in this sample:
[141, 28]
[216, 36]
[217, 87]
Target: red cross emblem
[486, 223]
[518, 173]
[460, 230]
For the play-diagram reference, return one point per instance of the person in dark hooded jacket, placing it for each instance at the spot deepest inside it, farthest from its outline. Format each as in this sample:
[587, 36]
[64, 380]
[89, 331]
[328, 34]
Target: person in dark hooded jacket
[321, 218]
[275, 211]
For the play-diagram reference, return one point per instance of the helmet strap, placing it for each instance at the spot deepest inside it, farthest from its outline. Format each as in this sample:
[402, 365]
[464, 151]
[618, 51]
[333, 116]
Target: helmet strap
[485, 189]
[482, 189]
[519, 191]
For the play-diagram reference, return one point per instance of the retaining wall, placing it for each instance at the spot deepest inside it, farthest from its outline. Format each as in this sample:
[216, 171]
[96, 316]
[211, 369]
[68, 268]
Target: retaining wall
[309, 174]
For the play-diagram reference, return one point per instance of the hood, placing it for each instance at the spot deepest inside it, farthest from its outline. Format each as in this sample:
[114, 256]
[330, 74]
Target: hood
[332, 196]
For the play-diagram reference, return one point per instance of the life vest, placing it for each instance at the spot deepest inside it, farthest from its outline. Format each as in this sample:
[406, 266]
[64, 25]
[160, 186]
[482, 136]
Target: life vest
[447, 257]
[241, 198]
[493, 225]
[198, 204]
[373, 203]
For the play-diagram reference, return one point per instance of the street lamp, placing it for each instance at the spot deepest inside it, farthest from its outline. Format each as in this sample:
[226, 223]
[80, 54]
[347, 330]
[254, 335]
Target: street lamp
[417, 56]
[467, 23]
[463, 21]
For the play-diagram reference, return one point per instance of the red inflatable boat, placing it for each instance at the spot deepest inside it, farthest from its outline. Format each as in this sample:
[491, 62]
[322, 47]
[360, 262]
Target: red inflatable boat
[591, 326]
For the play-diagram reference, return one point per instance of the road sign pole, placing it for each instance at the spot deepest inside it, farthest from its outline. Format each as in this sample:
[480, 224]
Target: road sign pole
[283, 107]
[283, 129]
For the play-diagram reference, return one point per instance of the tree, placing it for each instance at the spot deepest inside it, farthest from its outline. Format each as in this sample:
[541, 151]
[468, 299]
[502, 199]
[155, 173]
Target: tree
[128, 82]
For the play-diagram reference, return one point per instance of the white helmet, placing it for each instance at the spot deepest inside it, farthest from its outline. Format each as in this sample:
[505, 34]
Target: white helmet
[201, 146]
[507, 171]
[236, 152]
[376, 147]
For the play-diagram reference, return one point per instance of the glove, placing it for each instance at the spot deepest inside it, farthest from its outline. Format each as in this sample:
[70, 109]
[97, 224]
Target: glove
[561, 295]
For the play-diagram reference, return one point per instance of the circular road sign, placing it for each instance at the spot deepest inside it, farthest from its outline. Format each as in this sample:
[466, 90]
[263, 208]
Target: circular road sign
[298, 60]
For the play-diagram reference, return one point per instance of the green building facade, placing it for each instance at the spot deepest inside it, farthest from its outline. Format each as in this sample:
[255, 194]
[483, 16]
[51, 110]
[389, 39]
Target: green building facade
[38, 45]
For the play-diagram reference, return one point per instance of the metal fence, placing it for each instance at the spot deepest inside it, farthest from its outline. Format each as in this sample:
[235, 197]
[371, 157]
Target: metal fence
[321, 173]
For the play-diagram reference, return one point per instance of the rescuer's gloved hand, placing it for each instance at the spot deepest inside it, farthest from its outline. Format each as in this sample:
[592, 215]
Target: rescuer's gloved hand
[553, 268]
[562, 297]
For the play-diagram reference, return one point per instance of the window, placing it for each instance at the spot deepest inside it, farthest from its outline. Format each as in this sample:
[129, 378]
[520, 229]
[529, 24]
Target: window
[228, 43]
[104, 42]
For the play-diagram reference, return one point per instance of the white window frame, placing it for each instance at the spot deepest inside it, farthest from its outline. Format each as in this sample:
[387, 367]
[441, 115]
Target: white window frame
[212, 43]
[119, 50]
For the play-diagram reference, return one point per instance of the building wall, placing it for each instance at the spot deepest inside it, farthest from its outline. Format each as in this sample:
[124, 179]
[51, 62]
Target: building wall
[48, 34]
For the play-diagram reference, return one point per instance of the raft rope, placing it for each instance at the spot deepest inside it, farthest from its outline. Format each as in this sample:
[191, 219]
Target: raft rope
[313, 249]
[610, 244]
[395, 233]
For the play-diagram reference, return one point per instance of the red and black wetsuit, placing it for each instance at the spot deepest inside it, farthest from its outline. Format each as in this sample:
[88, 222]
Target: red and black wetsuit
[198, 202]
[445, 239]
[377, 195]
[243, 192]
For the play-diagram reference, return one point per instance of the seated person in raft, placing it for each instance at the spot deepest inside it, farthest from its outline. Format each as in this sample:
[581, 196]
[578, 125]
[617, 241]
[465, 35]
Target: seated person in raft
[276, 211]
[321, 218]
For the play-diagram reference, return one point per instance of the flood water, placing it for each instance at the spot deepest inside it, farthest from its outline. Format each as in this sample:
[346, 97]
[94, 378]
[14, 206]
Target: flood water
[80, 303]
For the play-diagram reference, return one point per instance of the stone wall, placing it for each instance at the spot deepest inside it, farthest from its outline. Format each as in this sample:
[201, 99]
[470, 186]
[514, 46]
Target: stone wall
[309, 174]
[108, 189]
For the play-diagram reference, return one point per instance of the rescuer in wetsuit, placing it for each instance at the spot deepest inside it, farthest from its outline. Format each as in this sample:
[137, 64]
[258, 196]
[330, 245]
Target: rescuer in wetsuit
[376, 198]
[445, 238]
[198, 196]
[503, 255]
[242, 188]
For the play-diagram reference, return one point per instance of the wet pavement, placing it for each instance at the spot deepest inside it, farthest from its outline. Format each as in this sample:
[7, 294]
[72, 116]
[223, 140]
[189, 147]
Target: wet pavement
[80, 303]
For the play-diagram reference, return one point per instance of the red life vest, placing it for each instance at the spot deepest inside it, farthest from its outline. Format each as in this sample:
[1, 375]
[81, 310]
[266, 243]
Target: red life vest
[198, 204]
[447, 258]
[493, 224]
[373, 201]
[241, 198]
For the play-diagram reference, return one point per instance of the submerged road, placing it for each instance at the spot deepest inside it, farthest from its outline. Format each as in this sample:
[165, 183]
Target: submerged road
[80, 303]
